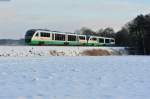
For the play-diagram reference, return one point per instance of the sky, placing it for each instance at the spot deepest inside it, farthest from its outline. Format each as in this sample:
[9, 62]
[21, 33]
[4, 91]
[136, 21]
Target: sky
[17, 16]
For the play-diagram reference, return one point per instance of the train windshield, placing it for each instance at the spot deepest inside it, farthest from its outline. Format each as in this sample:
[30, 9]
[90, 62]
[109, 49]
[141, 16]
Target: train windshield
[29, 35]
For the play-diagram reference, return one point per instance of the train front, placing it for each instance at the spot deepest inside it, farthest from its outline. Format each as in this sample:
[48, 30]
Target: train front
[28, 36]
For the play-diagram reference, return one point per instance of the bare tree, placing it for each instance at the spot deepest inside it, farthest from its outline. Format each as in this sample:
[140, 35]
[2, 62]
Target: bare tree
[107, 32]
[87, 31]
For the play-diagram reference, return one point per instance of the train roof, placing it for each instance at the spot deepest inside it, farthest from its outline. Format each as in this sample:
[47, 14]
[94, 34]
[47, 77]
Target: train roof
[50, 31]
[40, 30]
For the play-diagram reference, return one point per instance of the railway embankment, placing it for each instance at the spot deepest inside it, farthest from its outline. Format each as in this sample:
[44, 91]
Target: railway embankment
[33, 51]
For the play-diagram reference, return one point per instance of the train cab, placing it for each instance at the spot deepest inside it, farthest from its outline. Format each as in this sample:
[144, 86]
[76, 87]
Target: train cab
[29, 35]
[112, 41]
[109, 41]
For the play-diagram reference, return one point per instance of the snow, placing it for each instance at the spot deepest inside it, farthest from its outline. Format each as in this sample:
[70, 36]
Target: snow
[111, 77]
[27, 51]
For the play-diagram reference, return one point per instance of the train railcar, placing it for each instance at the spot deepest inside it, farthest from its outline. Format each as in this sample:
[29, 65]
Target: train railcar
[46, 37]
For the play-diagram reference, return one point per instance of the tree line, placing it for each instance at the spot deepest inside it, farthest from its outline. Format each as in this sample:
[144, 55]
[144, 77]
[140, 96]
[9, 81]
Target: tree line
[107, 32]
[134, 34]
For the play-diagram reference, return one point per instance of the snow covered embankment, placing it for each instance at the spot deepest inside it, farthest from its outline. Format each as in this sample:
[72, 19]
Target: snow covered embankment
[15, 51]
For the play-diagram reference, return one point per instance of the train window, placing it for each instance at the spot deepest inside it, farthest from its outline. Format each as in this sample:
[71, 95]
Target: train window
[72, 38]
[48, 35]
[82, 37]
[42, 34]
[52, 36]
[94, 39]
[112, 40]
[45, 34]
[60, 37]
[107, 40]
[37, 34]
[101, 40]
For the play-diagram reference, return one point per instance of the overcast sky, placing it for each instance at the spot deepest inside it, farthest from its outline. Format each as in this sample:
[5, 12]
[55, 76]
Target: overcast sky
[17, 16]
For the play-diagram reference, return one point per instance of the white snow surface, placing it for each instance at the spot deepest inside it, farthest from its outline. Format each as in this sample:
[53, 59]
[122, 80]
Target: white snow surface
[111, 77]
[27, 51]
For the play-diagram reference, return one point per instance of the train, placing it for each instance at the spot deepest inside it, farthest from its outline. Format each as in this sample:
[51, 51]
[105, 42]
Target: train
[47, 37]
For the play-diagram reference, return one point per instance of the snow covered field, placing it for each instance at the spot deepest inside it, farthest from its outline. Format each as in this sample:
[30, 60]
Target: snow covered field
[111, 77]
[27, 51]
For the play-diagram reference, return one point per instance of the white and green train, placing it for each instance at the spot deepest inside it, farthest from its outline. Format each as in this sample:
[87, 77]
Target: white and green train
[46, 37]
